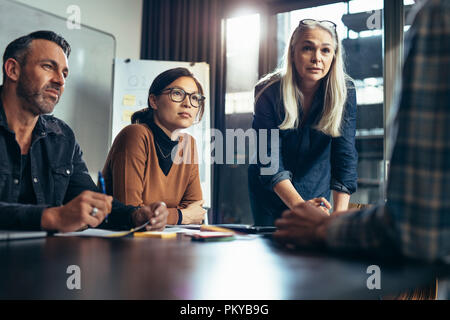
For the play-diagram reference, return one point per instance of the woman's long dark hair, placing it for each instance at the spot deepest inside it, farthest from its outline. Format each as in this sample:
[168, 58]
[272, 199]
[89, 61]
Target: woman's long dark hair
[158, 85]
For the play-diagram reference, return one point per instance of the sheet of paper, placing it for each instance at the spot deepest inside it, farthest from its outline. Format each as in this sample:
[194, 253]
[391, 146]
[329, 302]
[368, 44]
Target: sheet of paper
[181, 230]
[211, 234]
[100, 233]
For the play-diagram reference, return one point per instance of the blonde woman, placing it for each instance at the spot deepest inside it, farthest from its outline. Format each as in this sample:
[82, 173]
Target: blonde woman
[313, 104]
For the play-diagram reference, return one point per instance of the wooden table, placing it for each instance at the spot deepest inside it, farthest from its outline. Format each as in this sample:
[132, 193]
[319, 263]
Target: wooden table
[138, 268]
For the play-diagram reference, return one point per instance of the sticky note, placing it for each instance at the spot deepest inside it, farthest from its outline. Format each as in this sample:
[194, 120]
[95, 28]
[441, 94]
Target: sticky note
[156, 234]
[126, 115]
[129, 100]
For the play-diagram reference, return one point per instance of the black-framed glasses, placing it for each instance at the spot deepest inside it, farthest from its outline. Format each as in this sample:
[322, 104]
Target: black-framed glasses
[178, 95]
[326, 23]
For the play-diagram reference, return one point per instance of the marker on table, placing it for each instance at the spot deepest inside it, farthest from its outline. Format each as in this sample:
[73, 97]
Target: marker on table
[102, 185]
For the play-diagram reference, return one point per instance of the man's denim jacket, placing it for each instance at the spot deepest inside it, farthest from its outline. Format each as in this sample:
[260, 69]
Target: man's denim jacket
[58, 174]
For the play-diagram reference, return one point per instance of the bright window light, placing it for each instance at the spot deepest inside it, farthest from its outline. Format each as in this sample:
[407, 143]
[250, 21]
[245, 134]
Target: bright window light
[242, 34]
[242, 63]
[356, 6]
[332, 12]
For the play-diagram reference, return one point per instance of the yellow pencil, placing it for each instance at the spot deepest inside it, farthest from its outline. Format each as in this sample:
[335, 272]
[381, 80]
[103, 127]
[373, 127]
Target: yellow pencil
[206, 227]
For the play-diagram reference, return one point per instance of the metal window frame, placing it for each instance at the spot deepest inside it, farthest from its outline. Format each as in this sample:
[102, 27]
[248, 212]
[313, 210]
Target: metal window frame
[393, 20]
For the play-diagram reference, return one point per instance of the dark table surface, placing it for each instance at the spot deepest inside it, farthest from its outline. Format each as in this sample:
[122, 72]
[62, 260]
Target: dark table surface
[147, 268]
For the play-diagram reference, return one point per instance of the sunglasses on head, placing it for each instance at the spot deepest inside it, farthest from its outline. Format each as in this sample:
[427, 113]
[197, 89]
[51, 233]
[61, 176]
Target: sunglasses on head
[311, 22]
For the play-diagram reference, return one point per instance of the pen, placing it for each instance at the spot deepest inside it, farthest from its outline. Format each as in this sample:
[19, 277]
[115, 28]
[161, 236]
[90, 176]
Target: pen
[322, 204]
[102, 185]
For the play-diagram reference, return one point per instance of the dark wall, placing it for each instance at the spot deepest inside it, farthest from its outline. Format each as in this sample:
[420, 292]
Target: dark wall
[234, 203]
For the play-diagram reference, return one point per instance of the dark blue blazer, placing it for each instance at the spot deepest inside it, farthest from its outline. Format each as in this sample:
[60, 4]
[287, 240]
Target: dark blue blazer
[315, 162]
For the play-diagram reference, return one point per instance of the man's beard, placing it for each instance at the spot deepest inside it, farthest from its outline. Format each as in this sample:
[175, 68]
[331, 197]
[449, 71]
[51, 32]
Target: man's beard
[34, 99]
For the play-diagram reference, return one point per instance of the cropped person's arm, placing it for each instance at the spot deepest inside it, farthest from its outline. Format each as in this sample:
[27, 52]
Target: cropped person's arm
[414, 220]
[16, 216]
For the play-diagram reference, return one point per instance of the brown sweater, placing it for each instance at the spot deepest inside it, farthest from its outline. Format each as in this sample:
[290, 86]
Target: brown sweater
[133, 176]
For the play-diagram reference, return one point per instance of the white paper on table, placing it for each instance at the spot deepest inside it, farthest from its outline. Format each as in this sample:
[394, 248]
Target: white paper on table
[182, 230]
[99, 233]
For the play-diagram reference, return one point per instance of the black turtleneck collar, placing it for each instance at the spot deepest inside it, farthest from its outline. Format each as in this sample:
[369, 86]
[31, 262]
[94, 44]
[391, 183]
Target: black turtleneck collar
[164, 146]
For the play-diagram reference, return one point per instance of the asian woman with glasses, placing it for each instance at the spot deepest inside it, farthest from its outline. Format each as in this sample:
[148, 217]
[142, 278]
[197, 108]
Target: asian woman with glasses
[311, 103]
[150, 160]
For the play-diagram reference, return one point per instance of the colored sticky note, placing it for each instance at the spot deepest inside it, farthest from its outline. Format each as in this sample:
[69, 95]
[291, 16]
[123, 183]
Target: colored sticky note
[129, 100]
[126, 115]
[156, 234]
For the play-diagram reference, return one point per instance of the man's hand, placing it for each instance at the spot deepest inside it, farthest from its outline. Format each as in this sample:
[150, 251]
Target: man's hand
[77, 213]
[156, 213]
[302, 226]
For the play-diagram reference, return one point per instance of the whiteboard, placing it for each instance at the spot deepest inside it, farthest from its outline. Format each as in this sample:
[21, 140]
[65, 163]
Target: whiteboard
[87, 100]
[132, 79]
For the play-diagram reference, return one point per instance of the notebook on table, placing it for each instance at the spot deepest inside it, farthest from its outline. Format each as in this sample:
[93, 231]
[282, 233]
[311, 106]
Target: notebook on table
[6, 235]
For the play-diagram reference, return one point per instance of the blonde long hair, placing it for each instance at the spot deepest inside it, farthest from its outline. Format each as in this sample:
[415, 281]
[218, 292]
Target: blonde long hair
[335, 86]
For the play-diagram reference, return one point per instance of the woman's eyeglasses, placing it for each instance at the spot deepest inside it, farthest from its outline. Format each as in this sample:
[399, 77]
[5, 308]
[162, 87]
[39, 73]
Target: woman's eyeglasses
[178, 95]
[326, 23]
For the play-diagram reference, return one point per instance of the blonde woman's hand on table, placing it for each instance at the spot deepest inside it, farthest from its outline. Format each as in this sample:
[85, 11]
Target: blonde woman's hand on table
[320, 203]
